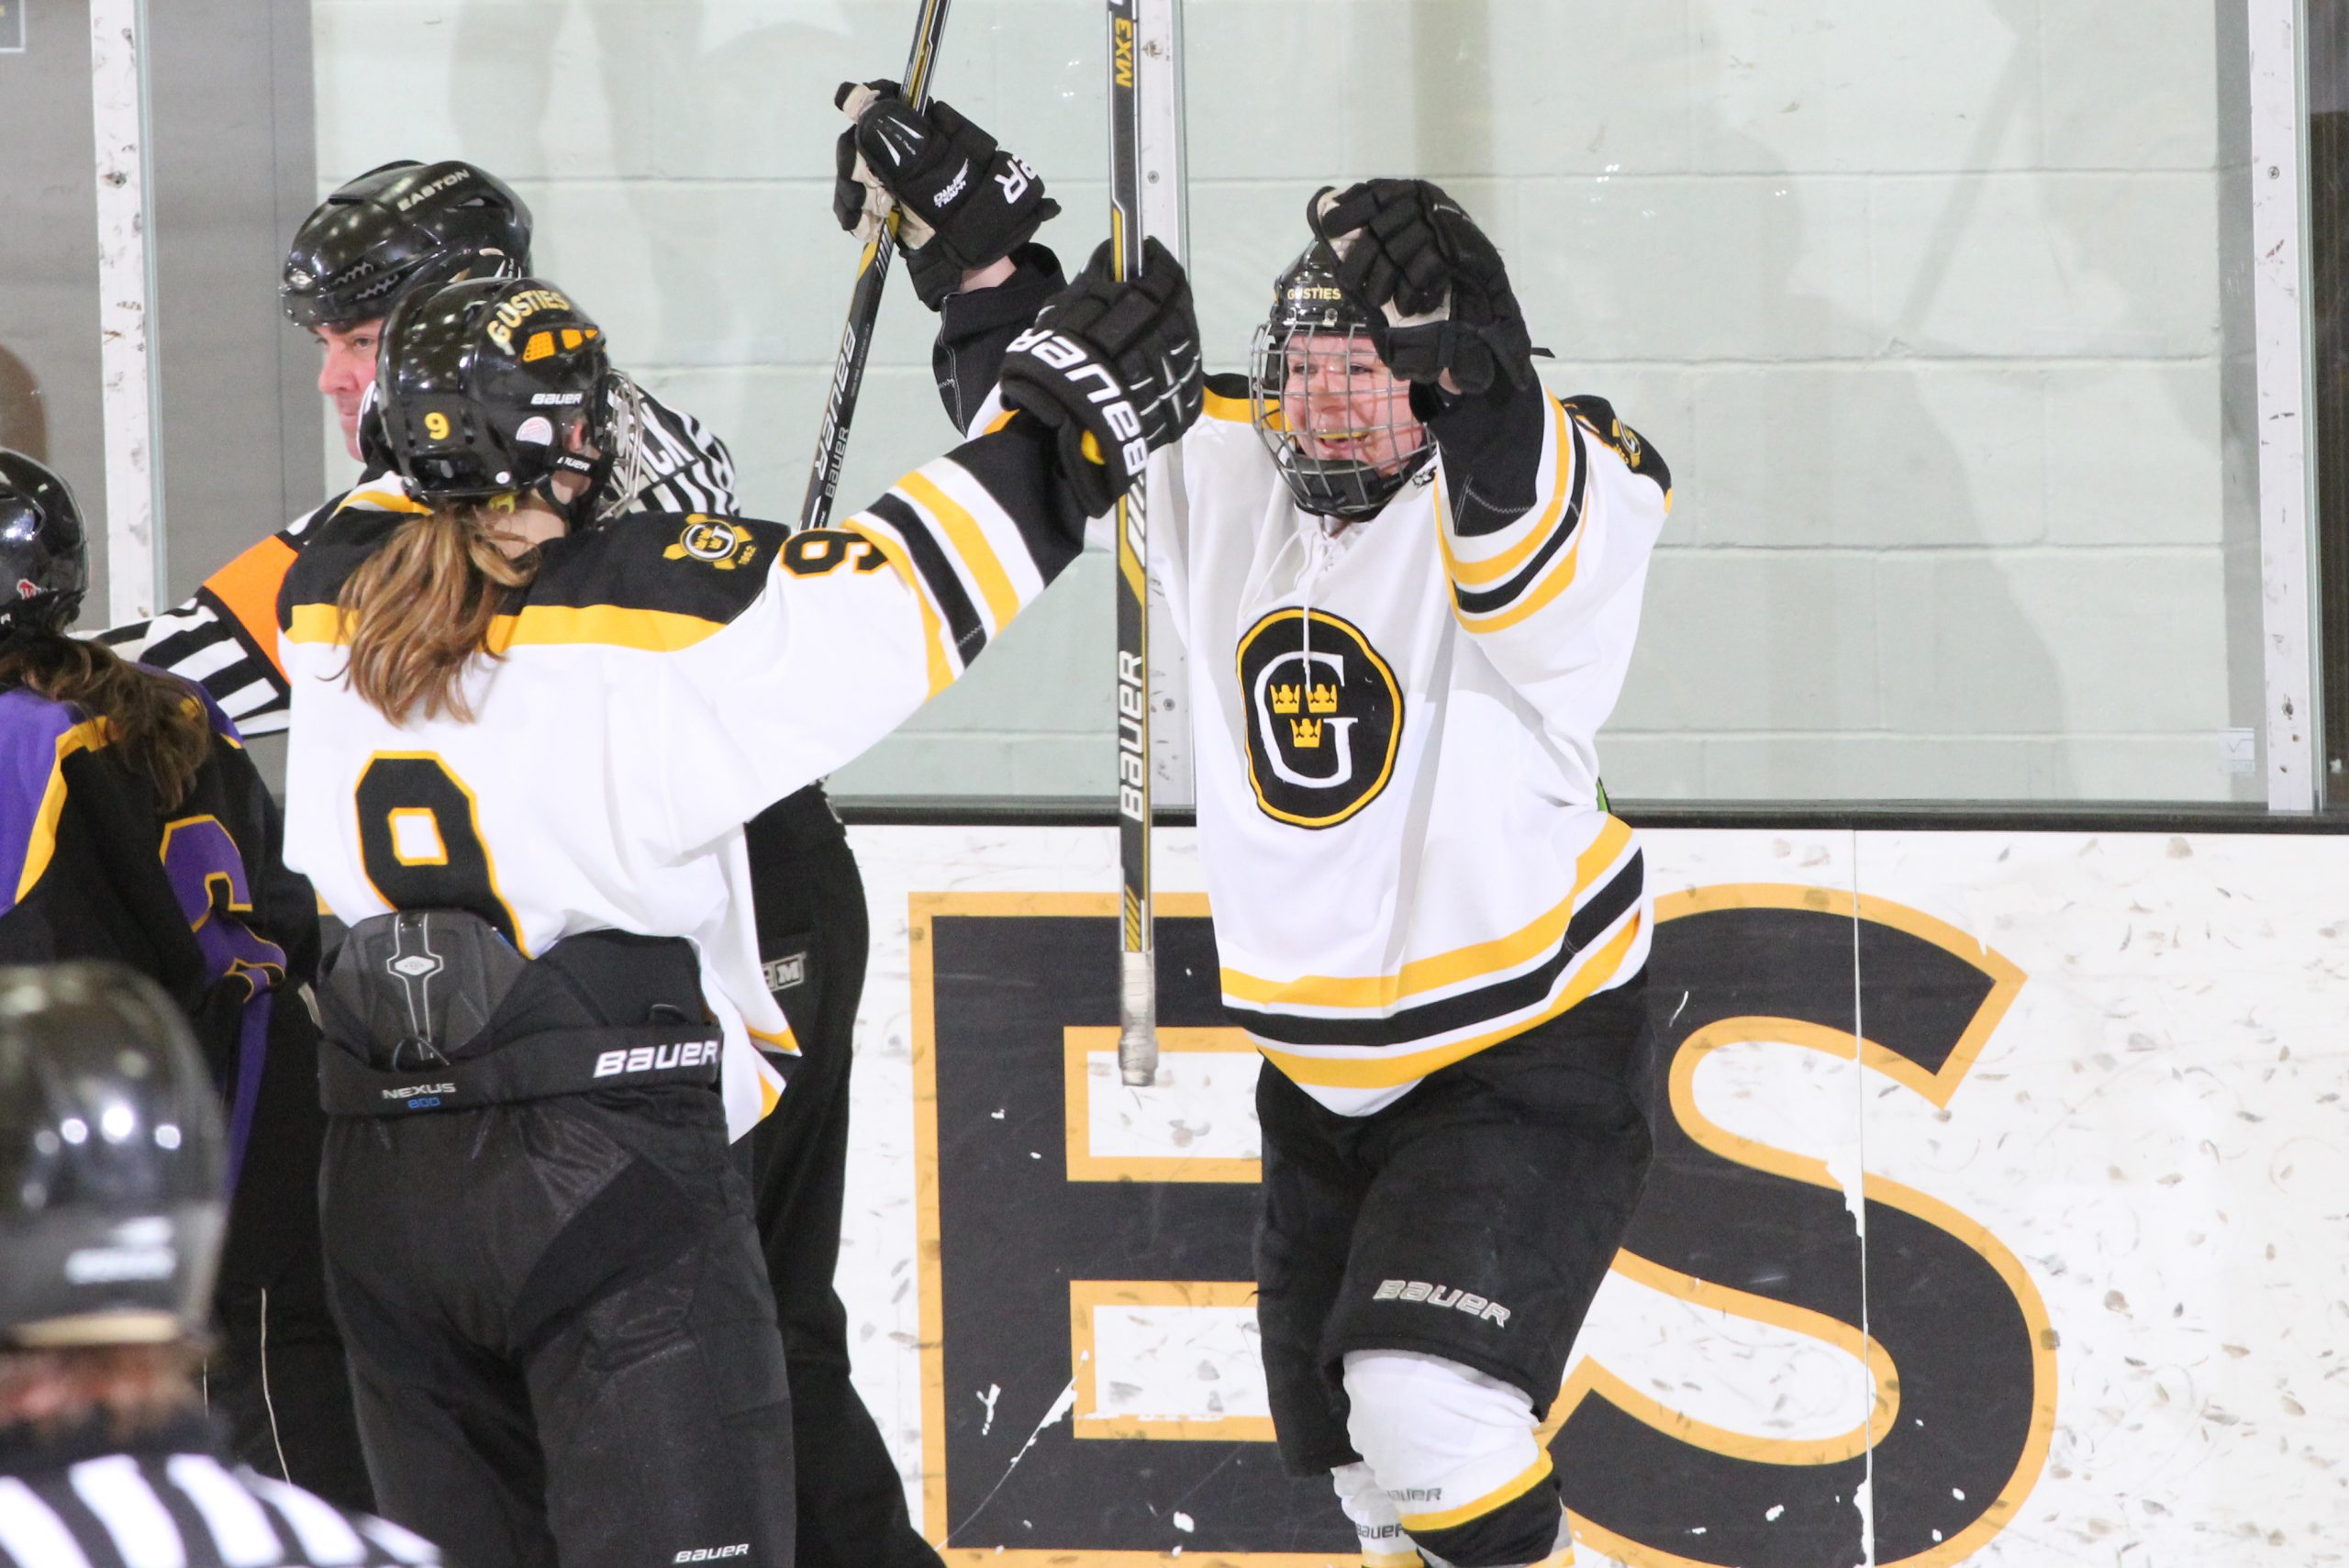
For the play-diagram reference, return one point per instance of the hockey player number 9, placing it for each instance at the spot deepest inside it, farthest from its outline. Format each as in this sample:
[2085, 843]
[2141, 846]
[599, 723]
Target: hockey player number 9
[420, 839]
[813, 553]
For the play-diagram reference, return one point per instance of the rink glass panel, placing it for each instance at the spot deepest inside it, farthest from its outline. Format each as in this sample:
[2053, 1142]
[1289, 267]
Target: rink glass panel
[1937, 315]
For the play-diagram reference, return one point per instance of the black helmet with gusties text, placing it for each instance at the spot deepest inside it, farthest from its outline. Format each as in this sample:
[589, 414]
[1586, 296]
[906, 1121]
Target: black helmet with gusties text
[479, 385]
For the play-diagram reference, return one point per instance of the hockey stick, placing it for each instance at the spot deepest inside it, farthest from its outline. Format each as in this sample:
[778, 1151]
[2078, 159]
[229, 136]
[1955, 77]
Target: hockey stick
[864, 302]
[1137, 988]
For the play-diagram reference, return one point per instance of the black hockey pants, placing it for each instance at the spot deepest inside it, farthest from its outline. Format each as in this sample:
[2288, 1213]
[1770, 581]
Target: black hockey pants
[812, 937]
[560, 1330]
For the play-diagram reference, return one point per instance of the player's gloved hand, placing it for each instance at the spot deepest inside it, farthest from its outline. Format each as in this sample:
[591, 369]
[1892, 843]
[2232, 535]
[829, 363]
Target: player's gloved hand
[1114, 368]
[966, 201]
[1410, 256]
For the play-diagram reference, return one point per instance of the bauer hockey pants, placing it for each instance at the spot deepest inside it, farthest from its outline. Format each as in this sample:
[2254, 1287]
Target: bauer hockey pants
[561, 1333]
[1468, 1224]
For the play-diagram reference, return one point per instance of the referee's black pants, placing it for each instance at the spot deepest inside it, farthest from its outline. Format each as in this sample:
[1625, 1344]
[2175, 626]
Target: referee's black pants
[812, 937]
[275, 1375]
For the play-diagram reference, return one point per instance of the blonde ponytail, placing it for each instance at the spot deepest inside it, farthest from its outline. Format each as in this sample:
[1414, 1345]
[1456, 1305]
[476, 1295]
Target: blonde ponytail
[421, 609]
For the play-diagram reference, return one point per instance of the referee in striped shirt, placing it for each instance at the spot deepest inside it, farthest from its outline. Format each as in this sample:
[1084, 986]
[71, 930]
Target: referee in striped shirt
[111, 1159]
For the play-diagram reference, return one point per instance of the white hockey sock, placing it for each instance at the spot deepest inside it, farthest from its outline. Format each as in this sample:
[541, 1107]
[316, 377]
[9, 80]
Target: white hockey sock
[1455, 1452]
[1375, 1522]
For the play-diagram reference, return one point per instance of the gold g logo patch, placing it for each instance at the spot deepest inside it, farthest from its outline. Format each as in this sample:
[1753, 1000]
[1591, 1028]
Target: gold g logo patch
[1324, 718]
[713, 540]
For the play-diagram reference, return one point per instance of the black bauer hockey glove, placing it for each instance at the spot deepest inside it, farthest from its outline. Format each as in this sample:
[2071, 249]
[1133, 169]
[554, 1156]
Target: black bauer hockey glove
[1114, 369]
[966, 201]
[1412, 258]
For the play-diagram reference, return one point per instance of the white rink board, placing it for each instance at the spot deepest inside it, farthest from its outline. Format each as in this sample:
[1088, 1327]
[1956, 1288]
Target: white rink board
[2153, 1128]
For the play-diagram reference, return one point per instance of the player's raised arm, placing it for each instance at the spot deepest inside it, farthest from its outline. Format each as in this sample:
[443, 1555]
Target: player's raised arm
[895, 603]
[971, 212]
[1547, 510]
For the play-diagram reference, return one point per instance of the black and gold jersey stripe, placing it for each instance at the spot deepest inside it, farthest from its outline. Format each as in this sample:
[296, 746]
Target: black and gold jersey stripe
[1469, 1008]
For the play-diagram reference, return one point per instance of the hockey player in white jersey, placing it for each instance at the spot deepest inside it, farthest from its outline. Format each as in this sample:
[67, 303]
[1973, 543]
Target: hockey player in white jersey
[522, 752]
[1409, 581]
[111, 1158]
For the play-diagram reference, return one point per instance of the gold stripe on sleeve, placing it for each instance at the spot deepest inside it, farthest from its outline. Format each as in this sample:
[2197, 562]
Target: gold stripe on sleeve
[970, 543]
[1477, 573]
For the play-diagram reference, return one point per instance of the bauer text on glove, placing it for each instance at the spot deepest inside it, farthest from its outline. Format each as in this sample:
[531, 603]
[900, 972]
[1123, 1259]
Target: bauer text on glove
[1113, 367]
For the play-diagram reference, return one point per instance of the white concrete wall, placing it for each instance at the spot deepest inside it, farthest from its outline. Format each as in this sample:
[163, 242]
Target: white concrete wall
[1923, 303]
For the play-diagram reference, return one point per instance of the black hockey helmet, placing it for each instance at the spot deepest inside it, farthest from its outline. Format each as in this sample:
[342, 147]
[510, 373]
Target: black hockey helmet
[1307, 299]
[477, 385]
[111, 1154]
[398, 228]
[44, 549]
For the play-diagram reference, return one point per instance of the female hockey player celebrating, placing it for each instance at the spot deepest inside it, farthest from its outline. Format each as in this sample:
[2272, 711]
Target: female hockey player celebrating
[522, 754]
[1408, 581]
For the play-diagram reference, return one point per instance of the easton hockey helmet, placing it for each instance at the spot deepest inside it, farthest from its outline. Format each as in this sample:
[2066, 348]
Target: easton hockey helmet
[400, 227]
[111, 1155]
[1343, 455]
[479, 383]
[44, 550]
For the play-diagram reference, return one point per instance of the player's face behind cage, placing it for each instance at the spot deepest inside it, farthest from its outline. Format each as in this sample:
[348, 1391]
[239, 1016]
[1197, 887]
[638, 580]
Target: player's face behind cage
[1336, 420]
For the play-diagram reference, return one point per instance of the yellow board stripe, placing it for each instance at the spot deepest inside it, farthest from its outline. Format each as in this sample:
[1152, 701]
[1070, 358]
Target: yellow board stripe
[941, 673]
[1382, 991]
[1476, 573]
[90, 735]
[1507, 1492]
[970, 543]
[1392, 1559]
[1385, 1072]
[613, 626]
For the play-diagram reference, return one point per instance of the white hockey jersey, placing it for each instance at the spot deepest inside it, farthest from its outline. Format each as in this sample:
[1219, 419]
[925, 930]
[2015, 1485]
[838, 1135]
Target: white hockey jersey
[1405, 845]
[661, 681]
[224, 638]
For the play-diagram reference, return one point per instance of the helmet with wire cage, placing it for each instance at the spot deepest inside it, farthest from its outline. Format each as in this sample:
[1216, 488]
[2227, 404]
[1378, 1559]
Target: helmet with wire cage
[1342, 455]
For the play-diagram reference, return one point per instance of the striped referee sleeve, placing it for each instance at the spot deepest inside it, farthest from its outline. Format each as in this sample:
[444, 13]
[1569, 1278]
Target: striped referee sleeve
[31, 1535]
[238, 1525]
[691, 468]
[225, 637]
[119, 1496]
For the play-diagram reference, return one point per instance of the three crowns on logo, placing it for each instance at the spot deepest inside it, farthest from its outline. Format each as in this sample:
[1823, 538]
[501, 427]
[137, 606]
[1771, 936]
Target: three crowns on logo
[1305, 733]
